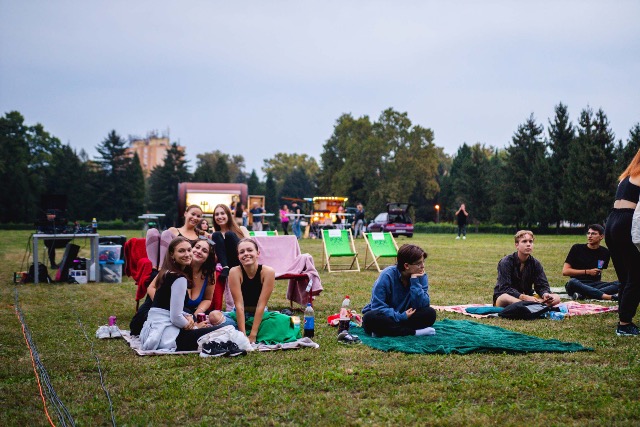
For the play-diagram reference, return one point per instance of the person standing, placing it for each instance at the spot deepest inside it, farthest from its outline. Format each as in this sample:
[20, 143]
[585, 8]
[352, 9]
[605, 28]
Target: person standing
[284, 219]
[256, 212]
[358, 221]
[461, 215]
[624, 254]
[295, 209]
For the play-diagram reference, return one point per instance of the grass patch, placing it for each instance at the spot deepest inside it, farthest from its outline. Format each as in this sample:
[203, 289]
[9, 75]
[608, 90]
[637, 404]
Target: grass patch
[336, 384]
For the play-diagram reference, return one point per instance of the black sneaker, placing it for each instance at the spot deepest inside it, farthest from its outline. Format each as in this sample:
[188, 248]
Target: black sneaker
[614, 297]
[234, 350]
[214, 349]
[629, 330]
[576, 296]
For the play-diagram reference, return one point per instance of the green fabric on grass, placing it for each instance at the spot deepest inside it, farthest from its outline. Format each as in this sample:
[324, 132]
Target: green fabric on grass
[463, 337]
[483, 310]
[275, 328]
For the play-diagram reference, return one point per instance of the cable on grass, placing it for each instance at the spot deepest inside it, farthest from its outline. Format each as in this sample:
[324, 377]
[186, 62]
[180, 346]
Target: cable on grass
[106, 392]
[41, 374]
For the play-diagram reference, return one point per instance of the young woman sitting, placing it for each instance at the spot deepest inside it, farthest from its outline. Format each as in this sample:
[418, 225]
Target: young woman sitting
[251, 287]
[198, 298]
[157, 243]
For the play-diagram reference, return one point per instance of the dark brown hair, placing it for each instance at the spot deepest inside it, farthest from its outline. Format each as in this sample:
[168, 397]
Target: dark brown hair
[410, 254]
[231, 224]
[169, 264]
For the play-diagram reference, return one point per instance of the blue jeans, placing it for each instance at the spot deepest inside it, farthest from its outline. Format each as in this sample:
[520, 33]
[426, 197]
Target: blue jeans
[462, 229]
[593, 290]
[296, 228]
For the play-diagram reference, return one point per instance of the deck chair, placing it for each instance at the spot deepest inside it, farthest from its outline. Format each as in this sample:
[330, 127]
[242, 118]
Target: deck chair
[138, 266]
[339, 244]
[379, 245]
[269, 233]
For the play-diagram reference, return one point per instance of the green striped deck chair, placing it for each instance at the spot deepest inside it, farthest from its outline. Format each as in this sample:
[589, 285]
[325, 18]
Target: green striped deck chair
[269, 233]
[338, 243]
[380, 245]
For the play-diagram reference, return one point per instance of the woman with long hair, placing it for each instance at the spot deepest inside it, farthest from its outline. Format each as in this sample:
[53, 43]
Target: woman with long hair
[198, 298]
[251, 286]
[157, 243]
[226, 236]
[624, 254]
[203, 228]
[168, 327]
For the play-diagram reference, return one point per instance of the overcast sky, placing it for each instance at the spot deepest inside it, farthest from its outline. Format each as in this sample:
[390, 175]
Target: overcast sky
[261, 77]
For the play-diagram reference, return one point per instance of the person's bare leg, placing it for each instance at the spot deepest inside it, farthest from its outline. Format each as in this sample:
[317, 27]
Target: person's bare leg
[505, 300]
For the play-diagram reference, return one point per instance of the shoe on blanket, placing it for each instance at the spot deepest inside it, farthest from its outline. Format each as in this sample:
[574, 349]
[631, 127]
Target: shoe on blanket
[214, 349]
[103, 332]
[345, 337]
[615, 297]
[576, 296]
[234, 350]
[114, 331]
[629, 330]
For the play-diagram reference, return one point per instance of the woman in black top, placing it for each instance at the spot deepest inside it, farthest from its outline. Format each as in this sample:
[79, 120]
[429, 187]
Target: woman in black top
[251, 286]
[624, 254]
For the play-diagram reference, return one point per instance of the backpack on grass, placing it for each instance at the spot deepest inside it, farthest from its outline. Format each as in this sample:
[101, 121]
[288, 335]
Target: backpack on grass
[43, 274]
[524, 310]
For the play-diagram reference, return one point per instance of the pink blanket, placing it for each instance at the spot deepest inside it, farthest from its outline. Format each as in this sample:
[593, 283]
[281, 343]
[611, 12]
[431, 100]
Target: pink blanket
[575, 308]
[282, 253]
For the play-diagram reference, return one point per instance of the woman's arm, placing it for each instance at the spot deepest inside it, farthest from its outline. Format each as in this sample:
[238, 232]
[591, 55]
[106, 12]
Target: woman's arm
[268, 278]
[176, 306]
[151, 290]
[206, 298]
[235, 283]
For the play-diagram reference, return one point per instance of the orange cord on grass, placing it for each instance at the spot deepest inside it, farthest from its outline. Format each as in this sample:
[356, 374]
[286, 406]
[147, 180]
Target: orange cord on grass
[44, 403]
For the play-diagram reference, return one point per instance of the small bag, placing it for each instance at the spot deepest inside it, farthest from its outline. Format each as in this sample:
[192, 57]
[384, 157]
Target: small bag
[524, 310]
[635, 227]
[43, 274]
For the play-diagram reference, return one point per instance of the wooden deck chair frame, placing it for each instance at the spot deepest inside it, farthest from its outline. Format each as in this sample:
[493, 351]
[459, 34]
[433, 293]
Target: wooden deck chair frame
[327, 258]
[376, 258]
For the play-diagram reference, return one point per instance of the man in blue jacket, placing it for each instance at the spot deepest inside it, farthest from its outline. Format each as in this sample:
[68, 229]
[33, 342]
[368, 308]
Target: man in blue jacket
[400, 298]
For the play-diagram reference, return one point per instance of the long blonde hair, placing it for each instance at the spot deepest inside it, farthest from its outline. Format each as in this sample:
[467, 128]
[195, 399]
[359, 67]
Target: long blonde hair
[633, 169]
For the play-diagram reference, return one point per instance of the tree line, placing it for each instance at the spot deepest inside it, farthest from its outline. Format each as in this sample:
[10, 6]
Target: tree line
[543, 178]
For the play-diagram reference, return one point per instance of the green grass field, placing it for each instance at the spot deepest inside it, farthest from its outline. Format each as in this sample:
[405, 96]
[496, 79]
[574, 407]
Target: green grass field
[333, 385]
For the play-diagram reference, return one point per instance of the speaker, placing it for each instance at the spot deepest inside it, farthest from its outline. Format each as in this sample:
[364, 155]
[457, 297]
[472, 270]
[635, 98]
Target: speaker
[70, 253]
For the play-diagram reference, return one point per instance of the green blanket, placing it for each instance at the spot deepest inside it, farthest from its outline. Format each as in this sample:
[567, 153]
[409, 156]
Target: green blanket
[275, 328]
[463, 336]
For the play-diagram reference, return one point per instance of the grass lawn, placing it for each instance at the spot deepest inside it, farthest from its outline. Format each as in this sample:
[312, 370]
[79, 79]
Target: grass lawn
[333, 385]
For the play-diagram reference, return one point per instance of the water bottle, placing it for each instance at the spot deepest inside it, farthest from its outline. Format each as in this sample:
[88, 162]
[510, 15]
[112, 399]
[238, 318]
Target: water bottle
[345, 315]
[309, 321]
[563, 309]
[555, 315]
[94, 226]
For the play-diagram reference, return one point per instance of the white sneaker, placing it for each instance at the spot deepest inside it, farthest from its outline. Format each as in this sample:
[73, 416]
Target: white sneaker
[457, 237]
[114, 331]
[464, 237]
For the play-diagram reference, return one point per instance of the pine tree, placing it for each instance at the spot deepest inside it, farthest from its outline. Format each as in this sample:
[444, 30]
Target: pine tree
[561, 135]
[114, 163]
[271, 195]
[254, 185]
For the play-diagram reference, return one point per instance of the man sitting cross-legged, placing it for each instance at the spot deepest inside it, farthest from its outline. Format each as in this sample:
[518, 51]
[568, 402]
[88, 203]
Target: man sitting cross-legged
[519, 273]
[584, 265]
[400, 298]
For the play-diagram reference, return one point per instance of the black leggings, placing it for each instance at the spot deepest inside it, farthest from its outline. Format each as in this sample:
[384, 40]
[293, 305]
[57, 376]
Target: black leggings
[626, 261]
[226, 248]
[382, 325]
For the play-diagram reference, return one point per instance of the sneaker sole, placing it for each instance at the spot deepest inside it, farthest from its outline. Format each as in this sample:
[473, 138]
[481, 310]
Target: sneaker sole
[212, 355]
[624, 334]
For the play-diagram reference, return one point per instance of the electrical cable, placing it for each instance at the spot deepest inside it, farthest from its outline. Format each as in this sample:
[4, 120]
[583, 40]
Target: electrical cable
[41, 373]
[106, 392]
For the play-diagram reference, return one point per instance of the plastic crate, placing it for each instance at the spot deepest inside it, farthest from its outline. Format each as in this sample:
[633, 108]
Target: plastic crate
[111, 272]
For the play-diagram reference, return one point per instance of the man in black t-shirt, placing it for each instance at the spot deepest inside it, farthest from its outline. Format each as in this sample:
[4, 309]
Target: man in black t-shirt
[584, 265]
[461, 215]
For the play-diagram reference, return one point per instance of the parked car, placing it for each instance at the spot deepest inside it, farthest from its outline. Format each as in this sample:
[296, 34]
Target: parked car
[395, 221]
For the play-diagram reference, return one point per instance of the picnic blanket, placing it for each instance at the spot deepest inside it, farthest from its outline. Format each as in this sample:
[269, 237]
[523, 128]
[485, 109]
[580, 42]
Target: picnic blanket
[575, 309]
[136, 345]
[464, 336]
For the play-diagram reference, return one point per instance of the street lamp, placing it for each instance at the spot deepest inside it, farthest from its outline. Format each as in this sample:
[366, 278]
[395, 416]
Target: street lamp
[437, 213]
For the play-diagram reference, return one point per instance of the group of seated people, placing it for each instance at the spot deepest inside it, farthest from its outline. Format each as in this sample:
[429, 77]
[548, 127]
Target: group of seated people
[185, 285]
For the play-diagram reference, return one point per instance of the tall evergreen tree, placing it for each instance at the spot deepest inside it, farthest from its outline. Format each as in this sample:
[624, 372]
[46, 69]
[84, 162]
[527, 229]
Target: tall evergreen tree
[297, 184]
[590, 180]
[133, 193]
[254, 184]
[163, 183]
[561, 135]
[271, 195]
[114, 162]
[222, 170]
[625, 153]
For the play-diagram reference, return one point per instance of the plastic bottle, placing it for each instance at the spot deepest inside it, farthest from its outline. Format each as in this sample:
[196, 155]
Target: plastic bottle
[563, 309]
[309, 321]
[555, 315]
[344, 310]
[94, 226]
